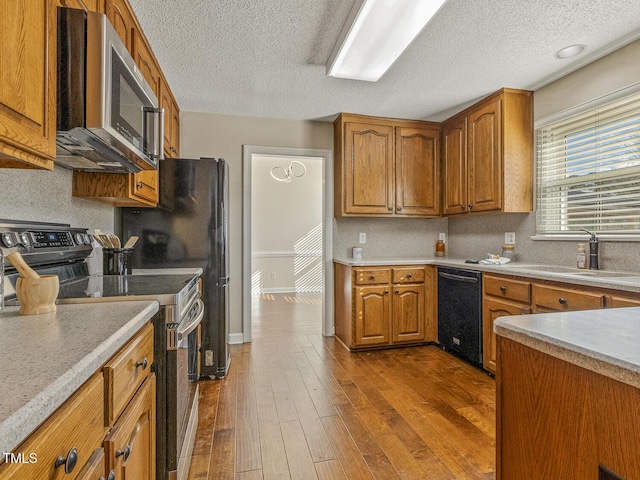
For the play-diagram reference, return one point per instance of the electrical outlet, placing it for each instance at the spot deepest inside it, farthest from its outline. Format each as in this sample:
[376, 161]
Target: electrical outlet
[442, 236]
[510, 238]
[208, 358]
[363, 238]
[273, 274]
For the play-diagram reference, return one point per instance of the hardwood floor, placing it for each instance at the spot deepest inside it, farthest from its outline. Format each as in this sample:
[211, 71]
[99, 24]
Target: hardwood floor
[299, 405]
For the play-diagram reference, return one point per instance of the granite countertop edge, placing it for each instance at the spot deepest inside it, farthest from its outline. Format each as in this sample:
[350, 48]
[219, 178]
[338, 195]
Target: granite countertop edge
[590, 358]
[516, 269]
[26, 419]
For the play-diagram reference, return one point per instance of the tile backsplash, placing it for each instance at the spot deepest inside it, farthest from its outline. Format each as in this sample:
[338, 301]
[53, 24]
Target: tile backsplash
[45, 196]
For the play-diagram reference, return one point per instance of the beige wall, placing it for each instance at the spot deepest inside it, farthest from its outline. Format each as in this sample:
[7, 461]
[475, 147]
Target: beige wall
[216, 135]
[475, 236]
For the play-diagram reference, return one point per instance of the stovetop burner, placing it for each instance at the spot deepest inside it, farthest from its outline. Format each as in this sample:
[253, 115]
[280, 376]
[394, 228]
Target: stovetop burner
[166, 289]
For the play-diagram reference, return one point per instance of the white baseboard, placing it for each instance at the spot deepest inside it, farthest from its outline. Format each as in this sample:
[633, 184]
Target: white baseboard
[236, 338]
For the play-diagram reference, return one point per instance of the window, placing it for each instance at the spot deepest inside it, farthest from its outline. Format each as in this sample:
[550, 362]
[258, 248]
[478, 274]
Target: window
[588, 171]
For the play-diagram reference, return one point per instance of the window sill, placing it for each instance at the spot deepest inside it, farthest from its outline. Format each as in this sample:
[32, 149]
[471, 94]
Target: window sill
[577, 237]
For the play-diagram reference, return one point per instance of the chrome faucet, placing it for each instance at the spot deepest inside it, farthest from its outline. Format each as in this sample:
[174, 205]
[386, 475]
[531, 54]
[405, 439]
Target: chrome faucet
[593, 250]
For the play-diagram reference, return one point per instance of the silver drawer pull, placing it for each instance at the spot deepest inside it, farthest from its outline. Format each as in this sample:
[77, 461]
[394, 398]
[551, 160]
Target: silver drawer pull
[503, 288]
[372, 277]
[143, 363]
[562, 300]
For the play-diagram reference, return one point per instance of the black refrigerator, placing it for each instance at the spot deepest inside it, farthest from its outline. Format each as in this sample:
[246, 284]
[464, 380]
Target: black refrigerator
[190, 228]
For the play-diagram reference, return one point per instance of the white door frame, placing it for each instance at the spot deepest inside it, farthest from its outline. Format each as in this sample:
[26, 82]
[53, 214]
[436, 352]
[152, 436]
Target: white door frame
[328, 327]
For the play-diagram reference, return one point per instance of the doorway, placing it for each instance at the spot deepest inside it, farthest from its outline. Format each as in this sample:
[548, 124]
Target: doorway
[287, 234]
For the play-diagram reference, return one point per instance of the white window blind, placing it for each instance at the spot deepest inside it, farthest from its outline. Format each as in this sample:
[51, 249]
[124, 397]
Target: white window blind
[588, 171]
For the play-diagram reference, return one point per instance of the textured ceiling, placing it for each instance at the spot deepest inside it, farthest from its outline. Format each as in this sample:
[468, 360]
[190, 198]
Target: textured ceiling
[266, 58]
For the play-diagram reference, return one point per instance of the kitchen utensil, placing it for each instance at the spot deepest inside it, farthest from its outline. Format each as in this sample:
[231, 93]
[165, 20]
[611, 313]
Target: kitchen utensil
[115, 241]
[37, 294]
[131, 242]
[105, 240]
[25, 270]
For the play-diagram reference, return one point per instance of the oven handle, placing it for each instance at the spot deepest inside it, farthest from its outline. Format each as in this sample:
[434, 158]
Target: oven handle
[193, 324]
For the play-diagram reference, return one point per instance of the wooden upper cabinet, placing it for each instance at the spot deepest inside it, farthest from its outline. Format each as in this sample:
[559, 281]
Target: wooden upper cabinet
[386, 167]
[484, 158]
[28, 84]
[123, 20]
[488, 155]
[171, 120]
[146, 61]
[454, 197]
[417, 166]
[368, 169]
[89, 5]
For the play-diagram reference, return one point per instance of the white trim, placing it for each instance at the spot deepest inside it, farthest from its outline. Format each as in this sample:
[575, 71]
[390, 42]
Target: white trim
[236, 339]
[328, 325]
[591, 104]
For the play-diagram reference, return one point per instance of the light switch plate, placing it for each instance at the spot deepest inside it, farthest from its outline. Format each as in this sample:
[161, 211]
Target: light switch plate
[363, 238]
[510, 238]
[442, 236]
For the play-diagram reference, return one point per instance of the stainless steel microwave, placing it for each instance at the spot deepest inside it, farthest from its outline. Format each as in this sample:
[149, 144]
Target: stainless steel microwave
[107, 114]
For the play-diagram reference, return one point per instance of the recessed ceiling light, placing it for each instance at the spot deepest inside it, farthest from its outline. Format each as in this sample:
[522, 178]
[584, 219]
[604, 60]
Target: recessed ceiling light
[570, 51]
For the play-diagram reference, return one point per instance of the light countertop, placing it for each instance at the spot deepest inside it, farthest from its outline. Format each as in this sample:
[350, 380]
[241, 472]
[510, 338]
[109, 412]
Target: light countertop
[46, 358]
[603, 341]
[624, 281]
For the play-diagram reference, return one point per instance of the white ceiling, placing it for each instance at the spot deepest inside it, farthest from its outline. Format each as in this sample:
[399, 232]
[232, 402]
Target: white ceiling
[266, 58]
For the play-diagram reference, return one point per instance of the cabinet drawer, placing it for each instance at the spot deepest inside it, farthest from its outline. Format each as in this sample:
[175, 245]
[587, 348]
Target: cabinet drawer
[515, 290]
[372, 276]
[562, 299]
[408, 275]
[126, 371]
[77, 424]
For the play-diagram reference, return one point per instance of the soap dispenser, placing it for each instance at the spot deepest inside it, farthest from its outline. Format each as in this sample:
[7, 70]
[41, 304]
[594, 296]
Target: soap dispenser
[593, 250]
[582, 256]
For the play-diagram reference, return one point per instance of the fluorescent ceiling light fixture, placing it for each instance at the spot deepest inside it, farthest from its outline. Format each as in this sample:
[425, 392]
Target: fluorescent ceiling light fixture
[570, 51]
[375, 35]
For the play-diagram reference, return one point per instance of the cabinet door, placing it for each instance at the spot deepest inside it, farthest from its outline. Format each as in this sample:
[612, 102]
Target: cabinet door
[616, 301]
[492, 309]
[175, 130]
[417, 166]
[130, 445]
[166, 102]
[123, 21]
[146, 62]
[144, 185]
[27, 84]
[484, 158]
[548, 298]
[454, 196]
[408, 313]
[95, 467]
[368, 169]
[372, 316]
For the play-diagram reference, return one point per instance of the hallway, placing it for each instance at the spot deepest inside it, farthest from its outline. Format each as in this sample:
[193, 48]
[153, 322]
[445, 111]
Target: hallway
[301, 406]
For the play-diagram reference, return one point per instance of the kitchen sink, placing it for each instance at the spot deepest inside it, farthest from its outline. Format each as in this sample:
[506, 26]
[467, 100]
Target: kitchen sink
[574, 271]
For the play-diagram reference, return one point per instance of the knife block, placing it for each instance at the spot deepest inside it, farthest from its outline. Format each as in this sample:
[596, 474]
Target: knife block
[37, 295]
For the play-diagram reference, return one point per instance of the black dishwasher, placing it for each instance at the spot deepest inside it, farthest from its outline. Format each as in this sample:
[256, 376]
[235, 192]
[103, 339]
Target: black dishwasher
[460, 313]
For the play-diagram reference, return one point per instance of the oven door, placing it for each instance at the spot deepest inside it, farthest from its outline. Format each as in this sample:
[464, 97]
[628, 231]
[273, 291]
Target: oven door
[182, 404]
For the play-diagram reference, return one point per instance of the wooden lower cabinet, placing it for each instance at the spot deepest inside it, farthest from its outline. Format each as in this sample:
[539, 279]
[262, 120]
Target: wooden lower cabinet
[492, 309]
[408, 313]
[130, 445]
[557, 420]
[385, 306]
[95, 468]
[77, 438]
[551, 298]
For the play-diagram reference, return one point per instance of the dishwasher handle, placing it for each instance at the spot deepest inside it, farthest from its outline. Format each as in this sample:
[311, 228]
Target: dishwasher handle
[458, 278]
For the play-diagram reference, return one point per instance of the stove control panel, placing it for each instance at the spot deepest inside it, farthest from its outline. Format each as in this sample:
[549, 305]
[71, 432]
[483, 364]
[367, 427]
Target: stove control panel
[51, 239]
